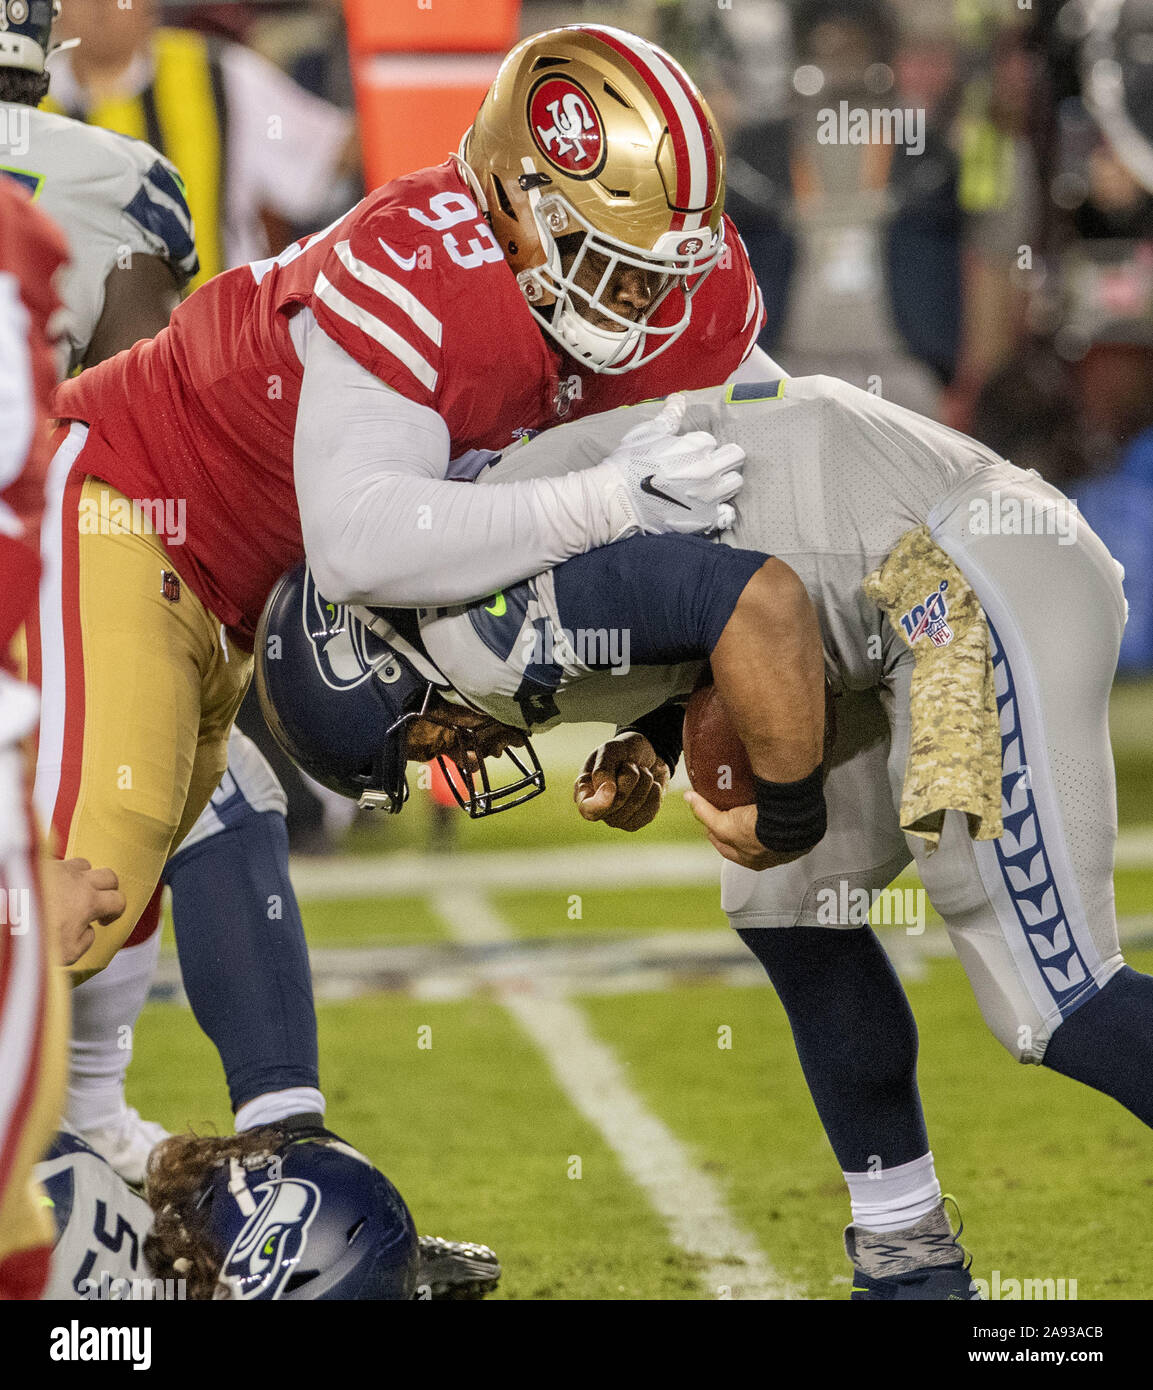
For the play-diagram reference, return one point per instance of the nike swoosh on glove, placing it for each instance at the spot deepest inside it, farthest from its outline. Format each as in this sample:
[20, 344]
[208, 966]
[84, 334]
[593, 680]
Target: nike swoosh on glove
[660, 481]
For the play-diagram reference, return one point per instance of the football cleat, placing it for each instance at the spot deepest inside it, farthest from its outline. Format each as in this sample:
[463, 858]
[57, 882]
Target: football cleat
[923, 1261]
[451, 1269]
[126, 1144]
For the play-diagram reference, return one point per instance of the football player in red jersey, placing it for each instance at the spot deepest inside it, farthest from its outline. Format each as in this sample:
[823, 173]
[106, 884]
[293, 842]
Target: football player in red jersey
[575, 256]
[33, 1015]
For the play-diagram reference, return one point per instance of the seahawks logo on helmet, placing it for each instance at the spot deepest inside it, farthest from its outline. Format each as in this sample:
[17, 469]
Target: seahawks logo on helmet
[268, 1249]
[346, 652]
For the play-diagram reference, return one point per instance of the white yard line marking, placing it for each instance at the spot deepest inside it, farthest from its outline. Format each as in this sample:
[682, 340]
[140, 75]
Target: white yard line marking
[688, 1201]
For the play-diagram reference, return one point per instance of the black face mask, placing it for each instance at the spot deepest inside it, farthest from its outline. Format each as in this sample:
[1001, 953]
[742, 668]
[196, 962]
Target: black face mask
[478, 796]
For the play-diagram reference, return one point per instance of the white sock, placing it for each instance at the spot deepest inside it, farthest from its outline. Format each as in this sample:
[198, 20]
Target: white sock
[278, 1105]
[104, 1013]
[892, 1198]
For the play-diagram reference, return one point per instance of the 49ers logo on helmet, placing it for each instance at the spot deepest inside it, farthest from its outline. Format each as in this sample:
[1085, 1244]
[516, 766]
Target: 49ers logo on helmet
[567, 127]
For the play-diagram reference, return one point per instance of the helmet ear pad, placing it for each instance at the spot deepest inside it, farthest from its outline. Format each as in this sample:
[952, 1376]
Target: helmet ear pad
[513, 222]
[508, 207]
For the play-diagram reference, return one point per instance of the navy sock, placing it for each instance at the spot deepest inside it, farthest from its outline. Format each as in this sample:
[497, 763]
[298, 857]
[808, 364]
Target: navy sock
[1108, 1042]
[855, 1036]
[243, 955]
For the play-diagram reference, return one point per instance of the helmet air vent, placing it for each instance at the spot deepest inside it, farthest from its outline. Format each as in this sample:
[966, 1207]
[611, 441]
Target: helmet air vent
[502, 198]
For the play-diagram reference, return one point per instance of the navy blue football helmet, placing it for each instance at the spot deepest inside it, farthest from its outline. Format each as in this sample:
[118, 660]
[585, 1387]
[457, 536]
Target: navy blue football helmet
[309, 1219]
[338, 698]
[26, 33]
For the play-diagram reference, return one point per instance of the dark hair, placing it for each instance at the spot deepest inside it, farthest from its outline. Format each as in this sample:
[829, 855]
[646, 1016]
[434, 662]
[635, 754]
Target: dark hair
[178, 1170]
[23, 88]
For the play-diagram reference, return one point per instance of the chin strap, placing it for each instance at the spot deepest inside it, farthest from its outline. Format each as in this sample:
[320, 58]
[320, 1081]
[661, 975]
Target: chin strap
[309, 1126]
[61, 47]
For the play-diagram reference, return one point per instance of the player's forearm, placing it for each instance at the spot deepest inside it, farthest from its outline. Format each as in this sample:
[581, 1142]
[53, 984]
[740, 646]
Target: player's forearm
[381, 524]
[768, 666]
[416, 542]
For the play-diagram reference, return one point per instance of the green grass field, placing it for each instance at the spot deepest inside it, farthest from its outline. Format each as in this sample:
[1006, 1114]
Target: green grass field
[1054, 1181]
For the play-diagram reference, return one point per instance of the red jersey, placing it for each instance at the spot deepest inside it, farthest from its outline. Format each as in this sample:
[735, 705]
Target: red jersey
[31, 251]
[412, 284]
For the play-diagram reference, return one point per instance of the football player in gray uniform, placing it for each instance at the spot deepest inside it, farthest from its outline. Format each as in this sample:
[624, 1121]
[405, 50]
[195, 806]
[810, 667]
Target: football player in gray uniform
[836, 480]
[120, 204]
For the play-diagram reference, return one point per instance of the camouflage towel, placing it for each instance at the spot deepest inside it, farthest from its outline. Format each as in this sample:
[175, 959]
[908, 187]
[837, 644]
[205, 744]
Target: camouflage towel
[955, 739]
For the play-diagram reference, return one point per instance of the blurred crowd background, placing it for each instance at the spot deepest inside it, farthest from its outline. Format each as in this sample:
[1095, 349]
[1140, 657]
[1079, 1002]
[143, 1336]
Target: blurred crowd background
[1000, 278]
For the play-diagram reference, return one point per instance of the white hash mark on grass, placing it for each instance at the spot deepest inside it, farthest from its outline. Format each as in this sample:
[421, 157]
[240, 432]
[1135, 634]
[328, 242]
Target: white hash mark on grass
[688, 1201]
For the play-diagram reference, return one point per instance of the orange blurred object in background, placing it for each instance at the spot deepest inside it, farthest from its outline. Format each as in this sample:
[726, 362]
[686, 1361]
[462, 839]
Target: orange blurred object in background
[420, 75]
[438, 787]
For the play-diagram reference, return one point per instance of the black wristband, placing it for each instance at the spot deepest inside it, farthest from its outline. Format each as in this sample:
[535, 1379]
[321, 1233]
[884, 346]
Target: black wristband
[664, 729]
[791, 815]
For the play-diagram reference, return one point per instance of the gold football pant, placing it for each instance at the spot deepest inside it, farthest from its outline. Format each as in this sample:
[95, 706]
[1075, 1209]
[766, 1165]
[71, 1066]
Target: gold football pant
[140, 688]
[33, 1031]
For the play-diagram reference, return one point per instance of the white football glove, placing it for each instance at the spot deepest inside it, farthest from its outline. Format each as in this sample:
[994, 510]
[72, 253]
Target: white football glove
[660, 481]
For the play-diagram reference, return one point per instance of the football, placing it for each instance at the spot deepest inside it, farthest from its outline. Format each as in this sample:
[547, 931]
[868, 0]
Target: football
[715, 758]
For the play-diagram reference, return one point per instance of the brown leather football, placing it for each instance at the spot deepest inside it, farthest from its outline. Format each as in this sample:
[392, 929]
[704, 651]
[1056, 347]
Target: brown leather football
[715, 758]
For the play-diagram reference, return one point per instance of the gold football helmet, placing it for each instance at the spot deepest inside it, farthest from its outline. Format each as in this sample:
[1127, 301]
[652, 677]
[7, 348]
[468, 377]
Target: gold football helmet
[591, 132]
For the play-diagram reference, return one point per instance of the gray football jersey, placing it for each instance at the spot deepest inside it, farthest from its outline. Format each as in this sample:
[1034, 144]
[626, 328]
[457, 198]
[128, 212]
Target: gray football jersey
[834, 477]
[113, 197]
[100, 1224]
[513, 658]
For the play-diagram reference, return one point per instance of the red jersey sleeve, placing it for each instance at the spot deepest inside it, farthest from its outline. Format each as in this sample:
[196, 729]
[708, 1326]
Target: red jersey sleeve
[755, 314]
[31, 251]
[378, 296]
[416, 289]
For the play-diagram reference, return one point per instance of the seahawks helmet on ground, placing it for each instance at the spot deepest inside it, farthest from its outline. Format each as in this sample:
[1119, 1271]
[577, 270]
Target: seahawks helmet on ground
[339, 698]
[310, 1218]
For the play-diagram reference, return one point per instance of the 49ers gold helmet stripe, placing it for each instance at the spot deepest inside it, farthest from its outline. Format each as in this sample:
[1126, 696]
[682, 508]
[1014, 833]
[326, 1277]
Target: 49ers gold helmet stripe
[696, 164]
[595, 154]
